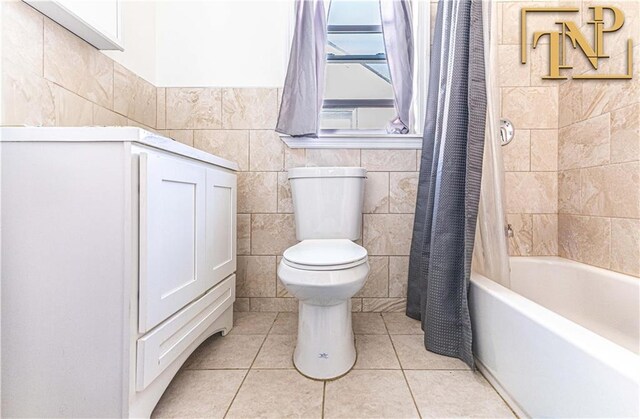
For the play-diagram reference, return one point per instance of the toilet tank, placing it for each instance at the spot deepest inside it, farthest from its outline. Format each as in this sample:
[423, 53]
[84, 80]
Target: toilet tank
[327, 201]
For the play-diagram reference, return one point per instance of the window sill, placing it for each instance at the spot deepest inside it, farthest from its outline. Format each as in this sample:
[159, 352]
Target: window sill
[362, 141]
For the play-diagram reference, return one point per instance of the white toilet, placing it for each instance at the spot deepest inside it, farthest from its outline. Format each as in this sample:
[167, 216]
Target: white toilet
[326, 268]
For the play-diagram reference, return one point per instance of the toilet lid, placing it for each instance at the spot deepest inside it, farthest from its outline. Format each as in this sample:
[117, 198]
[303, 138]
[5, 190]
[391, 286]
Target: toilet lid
[325, 252]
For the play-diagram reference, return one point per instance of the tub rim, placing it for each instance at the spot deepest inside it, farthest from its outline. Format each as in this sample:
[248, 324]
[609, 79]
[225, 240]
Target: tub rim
[622, 360]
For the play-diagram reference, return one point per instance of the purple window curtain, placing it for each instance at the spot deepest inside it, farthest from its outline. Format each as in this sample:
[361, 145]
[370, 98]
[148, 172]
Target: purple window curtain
[303, 91]
[398, 42]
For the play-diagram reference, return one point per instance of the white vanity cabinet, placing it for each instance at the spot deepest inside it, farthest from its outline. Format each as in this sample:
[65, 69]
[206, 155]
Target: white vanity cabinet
[118, 260]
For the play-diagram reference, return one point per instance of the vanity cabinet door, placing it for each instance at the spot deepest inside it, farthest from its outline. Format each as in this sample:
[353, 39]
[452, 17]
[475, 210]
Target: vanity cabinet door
[221, 224]
[172, 236]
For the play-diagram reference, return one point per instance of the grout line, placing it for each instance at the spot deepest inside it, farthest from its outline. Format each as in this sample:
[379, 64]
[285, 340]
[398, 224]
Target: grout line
[324, 396]
[250, 367]
[404, 375]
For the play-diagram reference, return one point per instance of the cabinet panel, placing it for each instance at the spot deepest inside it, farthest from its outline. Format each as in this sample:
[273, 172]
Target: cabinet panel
[159, 348]
[172, 236]
[221, 224]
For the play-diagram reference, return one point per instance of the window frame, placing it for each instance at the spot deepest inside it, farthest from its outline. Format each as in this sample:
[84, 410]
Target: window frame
[364, 139]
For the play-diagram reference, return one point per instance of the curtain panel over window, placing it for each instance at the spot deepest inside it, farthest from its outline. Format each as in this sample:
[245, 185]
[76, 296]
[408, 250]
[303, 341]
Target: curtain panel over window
[304, 86]
[398, 43]
[303, 92]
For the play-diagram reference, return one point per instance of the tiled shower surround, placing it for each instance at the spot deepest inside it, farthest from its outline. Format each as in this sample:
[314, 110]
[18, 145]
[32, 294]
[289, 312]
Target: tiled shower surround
[572, 175]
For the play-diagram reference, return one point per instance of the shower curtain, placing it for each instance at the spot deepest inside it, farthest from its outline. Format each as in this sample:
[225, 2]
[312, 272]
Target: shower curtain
[449, 181]
[491, 252]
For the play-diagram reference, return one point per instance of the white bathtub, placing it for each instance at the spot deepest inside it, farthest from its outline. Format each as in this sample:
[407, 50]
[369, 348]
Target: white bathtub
[563, 341]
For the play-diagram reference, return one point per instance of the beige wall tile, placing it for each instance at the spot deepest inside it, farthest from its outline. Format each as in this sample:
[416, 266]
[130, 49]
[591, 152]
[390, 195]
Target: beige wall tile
[266, 151]
[585, 239]
[384, 305]
[274, 304]
[257, 192]
[241, 305]
[389, 160]
[376, 193]
[294, 157]
[531, 192]
[625, 246]
[229, 144]
[318, 157]
[398, 276]
[403, 190]
[356, 305]
[75, 65]
[27, 99]
[256, 276]
[625, 134]
[377, 284]
[511, 72]
[22, 36]
[521, 243]
[517, 154]
[388, 234]
[606, 96]
[569, 192]
[584, 144]
[545, 234]
[544, 150]
[133, 96]
[194, 108]
[71, 110]
[272, 234]
[612, 190]
[134, 123]
[249, 108]
[185, 136]
[244, 234]
[570, 96]
[106, 118]
[531, 107]
[285, 202]
[161, 108]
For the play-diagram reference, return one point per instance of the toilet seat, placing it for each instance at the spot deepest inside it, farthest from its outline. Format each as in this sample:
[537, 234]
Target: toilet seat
[324, 255]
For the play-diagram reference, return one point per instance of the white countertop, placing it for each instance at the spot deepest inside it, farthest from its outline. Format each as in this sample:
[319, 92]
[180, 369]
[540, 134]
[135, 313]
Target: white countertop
[110, 134]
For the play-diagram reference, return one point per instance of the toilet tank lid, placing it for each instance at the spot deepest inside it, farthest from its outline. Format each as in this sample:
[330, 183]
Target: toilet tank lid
[312, 172]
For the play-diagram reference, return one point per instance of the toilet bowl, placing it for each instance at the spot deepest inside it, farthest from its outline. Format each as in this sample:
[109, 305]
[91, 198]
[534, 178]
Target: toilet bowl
[326, 268]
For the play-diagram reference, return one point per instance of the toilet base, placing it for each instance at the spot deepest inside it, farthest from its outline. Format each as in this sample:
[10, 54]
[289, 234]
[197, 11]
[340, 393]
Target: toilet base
[325, 349]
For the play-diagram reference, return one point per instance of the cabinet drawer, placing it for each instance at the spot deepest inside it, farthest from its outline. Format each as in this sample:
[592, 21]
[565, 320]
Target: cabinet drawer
[160, 347]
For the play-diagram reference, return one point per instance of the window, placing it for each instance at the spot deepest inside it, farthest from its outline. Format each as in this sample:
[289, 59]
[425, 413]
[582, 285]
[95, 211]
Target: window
[354, 105]
[358, 93]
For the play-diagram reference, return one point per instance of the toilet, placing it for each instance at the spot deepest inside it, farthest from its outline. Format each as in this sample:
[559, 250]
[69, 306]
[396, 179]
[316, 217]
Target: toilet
[326, 268]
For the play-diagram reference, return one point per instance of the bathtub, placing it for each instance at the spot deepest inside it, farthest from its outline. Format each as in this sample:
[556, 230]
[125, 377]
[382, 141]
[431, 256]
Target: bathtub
[562, 341]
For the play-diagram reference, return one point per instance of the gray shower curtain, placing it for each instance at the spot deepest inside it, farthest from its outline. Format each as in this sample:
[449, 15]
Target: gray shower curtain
[449, 181]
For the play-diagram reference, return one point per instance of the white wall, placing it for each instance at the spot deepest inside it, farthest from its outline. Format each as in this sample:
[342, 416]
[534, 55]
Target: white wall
[139, 38]
[230, 43]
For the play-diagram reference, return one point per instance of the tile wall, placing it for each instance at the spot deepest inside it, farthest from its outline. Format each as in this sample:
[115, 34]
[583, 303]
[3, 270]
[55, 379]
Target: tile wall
[563, 196]
[52, 78]
[599, 159]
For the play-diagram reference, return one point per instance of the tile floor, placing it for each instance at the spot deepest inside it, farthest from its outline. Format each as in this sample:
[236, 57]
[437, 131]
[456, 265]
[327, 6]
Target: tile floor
[249, 373]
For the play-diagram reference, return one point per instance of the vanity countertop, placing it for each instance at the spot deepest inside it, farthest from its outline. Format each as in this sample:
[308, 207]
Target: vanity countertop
[110, 134]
